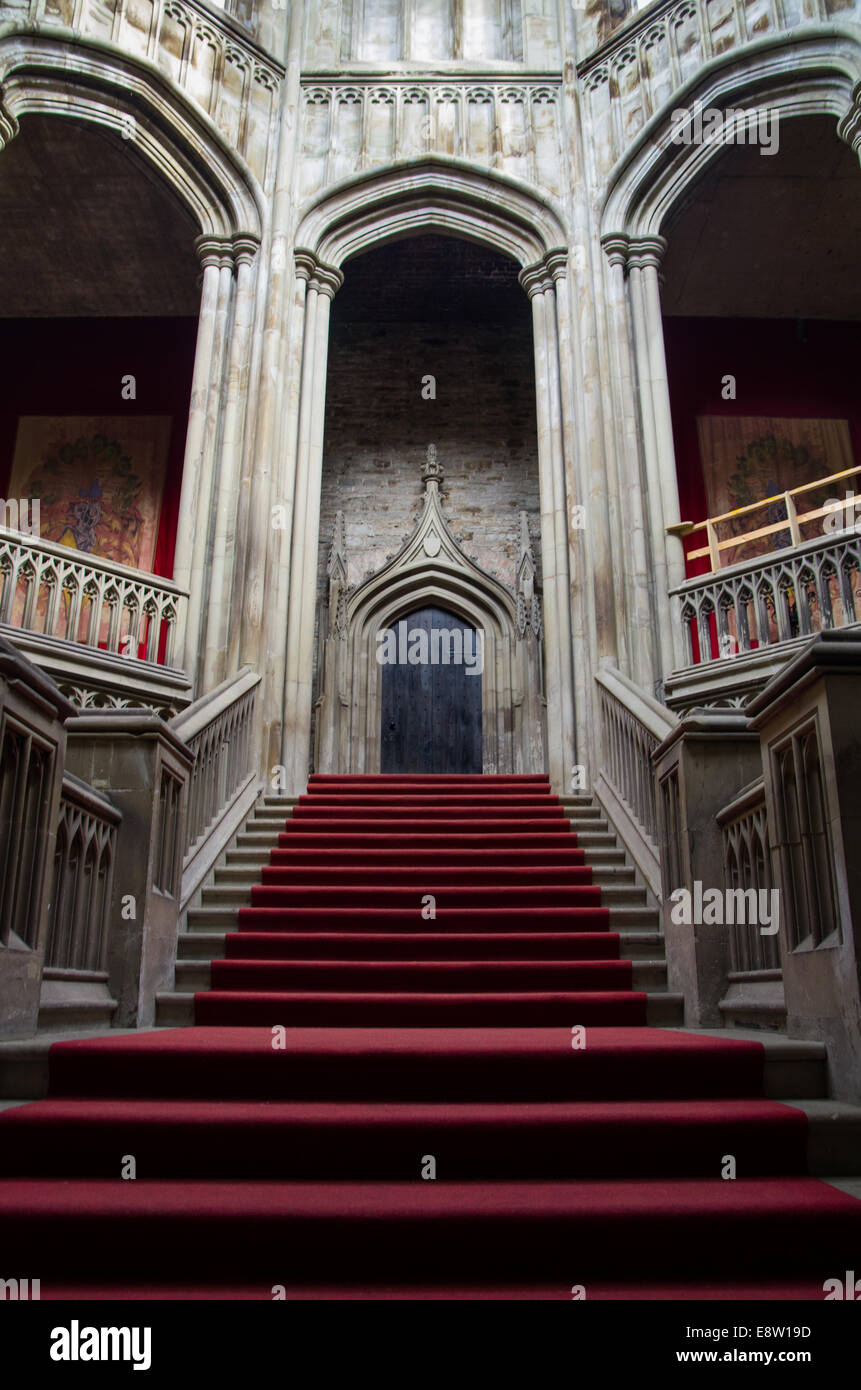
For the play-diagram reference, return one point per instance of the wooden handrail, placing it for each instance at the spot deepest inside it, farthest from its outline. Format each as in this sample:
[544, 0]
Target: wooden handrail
[793, 521]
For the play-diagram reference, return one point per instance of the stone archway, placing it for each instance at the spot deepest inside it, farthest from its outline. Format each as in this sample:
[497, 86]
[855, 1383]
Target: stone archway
[448, 197]
[431, 569]
[817, 75]
[43, 74]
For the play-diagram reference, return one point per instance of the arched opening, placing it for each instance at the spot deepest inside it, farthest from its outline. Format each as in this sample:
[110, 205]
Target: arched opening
[99, 300]
[430, 355]
[747, 200]
[762, 327]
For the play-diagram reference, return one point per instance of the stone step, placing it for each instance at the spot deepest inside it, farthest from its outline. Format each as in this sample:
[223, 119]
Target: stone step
[75, 1015]
[176, 1009]
[221, 916]
[257, 855]
[794, 1071]
[635, 945]
[246, 873]
[236, 892]
[191, 975]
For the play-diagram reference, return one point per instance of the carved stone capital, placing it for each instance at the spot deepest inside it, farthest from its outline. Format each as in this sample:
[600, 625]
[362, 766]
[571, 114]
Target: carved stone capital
[849, 126]
[325, 279]
[245, 248]
[214, 250]
[646, 252]
[616, 247]
[9, 126]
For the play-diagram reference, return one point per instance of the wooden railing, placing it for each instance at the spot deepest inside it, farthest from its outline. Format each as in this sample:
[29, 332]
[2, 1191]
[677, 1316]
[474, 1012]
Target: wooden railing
[747, 868]
[68, 594]
[774, 598]
[217, 728]
[84, 859]
[792, 527]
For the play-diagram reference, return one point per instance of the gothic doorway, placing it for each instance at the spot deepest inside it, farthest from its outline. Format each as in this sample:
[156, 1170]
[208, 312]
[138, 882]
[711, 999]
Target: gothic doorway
[431, 694]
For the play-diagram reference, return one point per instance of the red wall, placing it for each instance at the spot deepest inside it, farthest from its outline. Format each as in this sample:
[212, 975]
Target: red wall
[806, 371]
[76, 366]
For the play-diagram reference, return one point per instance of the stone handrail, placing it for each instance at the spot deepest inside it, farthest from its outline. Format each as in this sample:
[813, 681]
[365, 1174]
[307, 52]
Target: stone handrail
[207, 54]
[217, 729]
[71, 595]
[633, 724]
[774, 598]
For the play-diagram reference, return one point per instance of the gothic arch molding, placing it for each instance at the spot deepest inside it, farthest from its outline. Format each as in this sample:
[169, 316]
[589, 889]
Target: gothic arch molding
[820, 75]
[84, 82]
[430, 569]
[433, 193]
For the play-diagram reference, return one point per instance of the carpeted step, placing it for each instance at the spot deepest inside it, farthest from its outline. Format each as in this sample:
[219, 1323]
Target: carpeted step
[419, 835]
[415, 1063]
[298, 856]
[412, 946]
[578, 1231]
[379, 919]
[438, 976]
[432, 877]
[464, 896]
[348, 1140]
[689, 1290]
[514, 816]
[369, 1009]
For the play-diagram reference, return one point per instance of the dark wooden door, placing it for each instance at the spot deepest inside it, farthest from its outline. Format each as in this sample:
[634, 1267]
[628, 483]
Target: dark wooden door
[431, 710]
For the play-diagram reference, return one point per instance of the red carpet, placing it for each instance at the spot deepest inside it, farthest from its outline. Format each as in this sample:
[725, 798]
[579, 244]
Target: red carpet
[410, 1036]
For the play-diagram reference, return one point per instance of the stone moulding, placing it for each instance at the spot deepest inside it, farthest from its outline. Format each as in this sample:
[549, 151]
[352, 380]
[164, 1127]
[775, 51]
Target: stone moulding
[92, 81]
[430, 569]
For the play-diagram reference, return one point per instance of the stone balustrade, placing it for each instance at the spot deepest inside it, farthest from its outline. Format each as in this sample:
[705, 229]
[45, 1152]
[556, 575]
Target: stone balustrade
[775, 598]
[364, 124]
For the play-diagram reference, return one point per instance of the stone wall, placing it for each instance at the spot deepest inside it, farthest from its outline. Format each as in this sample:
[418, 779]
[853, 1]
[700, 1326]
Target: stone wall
[378, 429]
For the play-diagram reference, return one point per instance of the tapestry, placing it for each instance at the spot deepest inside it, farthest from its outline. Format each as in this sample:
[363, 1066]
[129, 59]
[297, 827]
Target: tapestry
[748, 458]
[99, 481]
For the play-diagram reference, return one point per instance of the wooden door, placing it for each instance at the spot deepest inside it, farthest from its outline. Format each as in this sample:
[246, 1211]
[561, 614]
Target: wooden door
[431, 709]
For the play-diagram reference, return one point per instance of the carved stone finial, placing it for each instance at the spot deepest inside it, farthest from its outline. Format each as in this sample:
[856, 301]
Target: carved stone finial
[432, 468]
[337, 572]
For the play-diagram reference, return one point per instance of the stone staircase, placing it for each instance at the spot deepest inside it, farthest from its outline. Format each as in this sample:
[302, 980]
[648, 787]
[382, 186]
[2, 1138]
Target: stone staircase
[633, 913]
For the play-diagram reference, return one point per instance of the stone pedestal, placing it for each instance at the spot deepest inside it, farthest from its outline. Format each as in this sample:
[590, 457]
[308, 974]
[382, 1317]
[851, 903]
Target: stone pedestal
[699, 767]
[134, 756]
[32, 747]
[807, 720]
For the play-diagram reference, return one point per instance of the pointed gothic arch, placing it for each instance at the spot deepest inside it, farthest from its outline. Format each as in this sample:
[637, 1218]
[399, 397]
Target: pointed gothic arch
[447, 196]
[430, 569]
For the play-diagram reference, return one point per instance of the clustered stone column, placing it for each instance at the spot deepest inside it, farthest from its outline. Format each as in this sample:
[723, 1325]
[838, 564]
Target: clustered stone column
[321, 284]
[213, 452]
[539, 282]
[641, 258]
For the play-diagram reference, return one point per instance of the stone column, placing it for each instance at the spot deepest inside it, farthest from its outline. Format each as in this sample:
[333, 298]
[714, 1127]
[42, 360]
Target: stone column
[198, 467]
[322, 283]
[652, 437]
[649, 252]
[224, 541]
[634, 520]
[561, 752]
